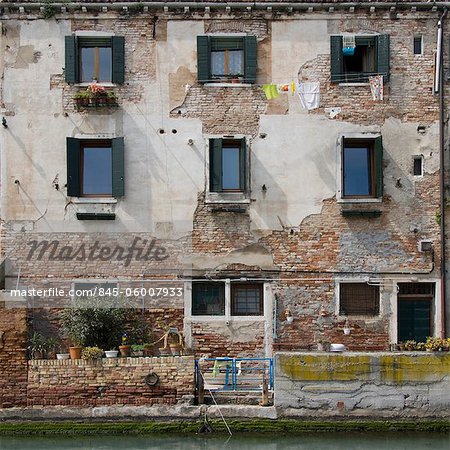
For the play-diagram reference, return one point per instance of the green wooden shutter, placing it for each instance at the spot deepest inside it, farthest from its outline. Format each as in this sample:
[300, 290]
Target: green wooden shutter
[378, 167]
[215, 165]
[383, 56]
[203, 58]
[250, 51]
[118, 59]
[336, 60]
[243, 166]
[118, 167]
[71, 57]
[73, 167]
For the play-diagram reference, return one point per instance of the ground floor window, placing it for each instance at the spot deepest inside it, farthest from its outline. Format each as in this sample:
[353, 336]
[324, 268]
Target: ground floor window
[359, 299]
[209, 298]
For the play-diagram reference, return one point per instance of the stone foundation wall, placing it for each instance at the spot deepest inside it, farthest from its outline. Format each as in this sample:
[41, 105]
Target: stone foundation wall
[115, 381]
[357, 384]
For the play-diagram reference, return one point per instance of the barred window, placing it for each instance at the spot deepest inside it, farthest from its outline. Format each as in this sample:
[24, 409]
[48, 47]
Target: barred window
[359, 299]
[208, 299]
[246, 299]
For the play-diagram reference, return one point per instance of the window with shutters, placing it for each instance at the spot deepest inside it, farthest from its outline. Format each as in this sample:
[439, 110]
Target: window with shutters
[228, 165]
[94, 58]
[355, 58]
[95, 168]
[361, 168]
[226, 59]
[359, 299]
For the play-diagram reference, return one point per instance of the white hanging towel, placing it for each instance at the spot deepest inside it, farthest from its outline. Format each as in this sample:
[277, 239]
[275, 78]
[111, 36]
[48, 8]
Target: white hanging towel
[309, 94]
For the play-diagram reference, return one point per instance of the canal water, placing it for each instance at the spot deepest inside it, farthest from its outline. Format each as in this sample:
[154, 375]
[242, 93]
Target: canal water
[309, 441]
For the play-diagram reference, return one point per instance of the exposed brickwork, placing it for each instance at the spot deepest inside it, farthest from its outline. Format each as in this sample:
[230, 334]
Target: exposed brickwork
[208, 341]
[13, 360]
[109, 381]
[224, 110]
[256, 27]
[407, 96]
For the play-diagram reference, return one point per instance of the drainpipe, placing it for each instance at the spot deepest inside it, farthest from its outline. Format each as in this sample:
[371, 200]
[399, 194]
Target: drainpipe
[440, 88]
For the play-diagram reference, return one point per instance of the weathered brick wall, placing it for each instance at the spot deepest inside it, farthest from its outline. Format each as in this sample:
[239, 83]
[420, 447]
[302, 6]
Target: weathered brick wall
[209, 339]
[13, 359]
[109, 381]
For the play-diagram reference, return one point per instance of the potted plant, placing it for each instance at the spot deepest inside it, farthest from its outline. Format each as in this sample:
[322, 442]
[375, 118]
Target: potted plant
[97, 322]
[97, 94]
[137, 349]
[51, 344]
[37, 346]
[91, 353]
[125, 348]
[82, 98]
[236, 78]
[111, 353]
[111, 98]
[410, 345]
[434, 344]
[62, 355]
[149, 350]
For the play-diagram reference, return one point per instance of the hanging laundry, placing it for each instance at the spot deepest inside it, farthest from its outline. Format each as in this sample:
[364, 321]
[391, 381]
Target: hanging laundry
[283, 88]
[376, 87]
[270, 90]
[348, 45]
[309, 94]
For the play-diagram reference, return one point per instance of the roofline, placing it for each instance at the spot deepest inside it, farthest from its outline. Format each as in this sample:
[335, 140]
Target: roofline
[189, 6]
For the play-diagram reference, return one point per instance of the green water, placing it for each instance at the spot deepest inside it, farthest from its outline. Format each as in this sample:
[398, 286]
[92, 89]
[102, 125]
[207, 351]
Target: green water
[308, 441]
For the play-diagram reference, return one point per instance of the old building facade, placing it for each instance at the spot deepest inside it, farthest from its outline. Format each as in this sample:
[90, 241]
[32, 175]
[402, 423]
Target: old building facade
[276, 226]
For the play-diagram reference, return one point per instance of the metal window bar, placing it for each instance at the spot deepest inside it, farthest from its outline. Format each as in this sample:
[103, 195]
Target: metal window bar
[236, 374]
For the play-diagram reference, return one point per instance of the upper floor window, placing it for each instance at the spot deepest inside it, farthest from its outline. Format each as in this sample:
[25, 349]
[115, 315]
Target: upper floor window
[225, 59]
[362, 168]
[95, 168]
[359, 58]
[227, 162]
[418, 45]
[95, 58]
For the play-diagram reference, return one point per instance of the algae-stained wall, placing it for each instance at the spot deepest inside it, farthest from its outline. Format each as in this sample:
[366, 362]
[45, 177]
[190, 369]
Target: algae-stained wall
[291, 232]
[357, 384]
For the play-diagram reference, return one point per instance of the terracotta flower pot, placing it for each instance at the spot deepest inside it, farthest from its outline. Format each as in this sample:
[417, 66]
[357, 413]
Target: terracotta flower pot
[75, 352]
[125, 350]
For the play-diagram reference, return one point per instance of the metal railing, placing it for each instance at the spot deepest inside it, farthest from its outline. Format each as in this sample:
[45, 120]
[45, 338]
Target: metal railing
[234, 374]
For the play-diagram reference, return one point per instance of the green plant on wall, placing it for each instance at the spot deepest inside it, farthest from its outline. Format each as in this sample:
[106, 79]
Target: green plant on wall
[49, 10]
[438, 216]
[102, 321]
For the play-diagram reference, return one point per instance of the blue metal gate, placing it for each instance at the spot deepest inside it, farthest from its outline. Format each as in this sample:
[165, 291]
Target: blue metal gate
[235, 374]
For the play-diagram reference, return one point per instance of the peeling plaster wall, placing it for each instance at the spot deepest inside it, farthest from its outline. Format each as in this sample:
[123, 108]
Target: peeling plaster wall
[296, 220]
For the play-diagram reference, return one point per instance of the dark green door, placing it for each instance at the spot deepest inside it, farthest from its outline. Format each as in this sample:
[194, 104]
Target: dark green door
[414, 320]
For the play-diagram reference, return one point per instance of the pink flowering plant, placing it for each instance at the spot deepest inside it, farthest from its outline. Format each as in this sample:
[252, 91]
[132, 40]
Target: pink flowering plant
[96, 90]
